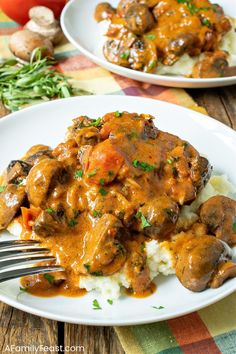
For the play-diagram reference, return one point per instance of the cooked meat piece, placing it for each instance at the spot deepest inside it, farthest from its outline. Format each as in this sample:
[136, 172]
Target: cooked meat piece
[161, 213]
[214, 64]
[46, 225]
[66, 150]
[17, 170]
[219, 214]
[43, 178]
[150, 131]
[139, 19]
[178, 46]
[198, 260]
[103, 11]
[37, 153]
[124, 5]
[11, 199]
[200, 171]
[104, 254]
[137, 272]
[84, 131]
[225, 271]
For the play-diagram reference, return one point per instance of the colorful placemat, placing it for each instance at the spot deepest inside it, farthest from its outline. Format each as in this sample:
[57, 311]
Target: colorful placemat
[208, 331]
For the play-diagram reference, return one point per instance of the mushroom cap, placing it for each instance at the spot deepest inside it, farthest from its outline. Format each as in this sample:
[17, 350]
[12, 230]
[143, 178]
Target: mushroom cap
[22, 43]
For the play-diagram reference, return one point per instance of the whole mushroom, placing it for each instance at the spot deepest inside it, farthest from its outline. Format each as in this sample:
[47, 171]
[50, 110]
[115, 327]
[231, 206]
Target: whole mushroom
[42, 21]
[22, 43]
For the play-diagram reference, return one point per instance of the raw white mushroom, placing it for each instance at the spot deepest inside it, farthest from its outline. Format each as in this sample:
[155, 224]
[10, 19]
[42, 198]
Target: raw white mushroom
[22, 43]
[42, 21]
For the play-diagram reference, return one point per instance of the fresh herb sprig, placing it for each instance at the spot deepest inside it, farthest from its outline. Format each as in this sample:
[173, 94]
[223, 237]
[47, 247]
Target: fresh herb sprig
[30, 83]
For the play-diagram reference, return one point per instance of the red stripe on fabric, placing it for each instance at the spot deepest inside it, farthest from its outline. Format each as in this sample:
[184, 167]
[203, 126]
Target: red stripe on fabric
[192, 335]
[76, 62]
[136, 88]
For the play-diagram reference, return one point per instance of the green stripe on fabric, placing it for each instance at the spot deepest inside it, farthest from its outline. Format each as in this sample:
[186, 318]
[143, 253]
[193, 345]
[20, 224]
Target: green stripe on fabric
[154, 338]
[175, 350]
[8, 25]
[226, 342]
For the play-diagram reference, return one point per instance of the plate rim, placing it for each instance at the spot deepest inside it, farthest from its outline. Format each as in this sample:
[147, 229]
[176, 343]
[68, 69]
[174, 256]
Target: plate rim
[140, 75]
[101, 322]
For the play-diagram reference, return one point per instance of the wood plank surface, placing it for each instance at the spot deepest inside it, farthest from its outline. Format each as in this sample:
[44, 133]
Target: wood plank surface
[19, 328]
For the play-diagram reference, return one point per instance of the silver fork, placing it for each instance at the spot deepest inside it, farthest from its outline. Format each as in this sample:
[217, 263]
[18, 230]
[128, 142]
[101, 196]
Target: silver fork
[15, 255]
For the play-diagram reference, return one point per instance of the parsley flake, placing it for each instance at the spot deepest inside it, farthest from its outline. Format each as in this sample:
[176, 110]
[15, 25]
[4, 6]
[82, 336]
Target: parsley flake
[143, 165]
[72, 222]
[96, 305]
[87, 267]
[144, 221]
[118, 114]
[151, 36]
[234, 227]
[125, 55]
[50, 278]
[103, 191]
[50, 210]
[96, 122]
[23, 289]
[92, 173]
[79, 173]
[97, 214]
[110, 302]
[2, 188]
[110, 173]
[102, 181]
[158, 308]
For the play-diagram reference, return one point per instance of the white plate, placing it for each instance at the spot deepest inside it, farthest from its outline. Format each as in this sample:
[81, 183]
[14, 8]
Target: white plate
[83, 32]
[46, 123]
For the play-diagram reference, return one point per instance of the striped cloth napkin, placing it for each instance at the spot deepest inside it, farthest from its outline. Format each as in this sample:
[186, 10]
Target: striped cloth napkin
[208, 331]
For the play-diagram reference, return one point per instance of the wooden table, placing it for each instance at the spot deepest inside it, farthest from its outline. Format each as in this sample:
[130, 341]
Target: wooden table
[19, 328]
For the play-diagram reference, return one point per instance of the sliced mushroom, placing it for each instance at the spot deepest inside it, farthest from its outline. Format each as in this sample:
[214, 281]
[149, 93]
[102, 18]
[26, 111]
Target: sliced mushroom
[219, 214]
[104, 11]
[225, 271]
[43, 178]
[198, 260]
[139, 19]
[11, 199]
[45, 225]
[17, 170]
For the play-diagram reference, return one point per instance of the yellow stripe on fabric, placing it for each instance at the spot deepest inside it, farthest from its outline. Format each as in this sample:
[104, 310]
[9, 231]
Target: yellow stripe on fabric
[128, 340]
[4, 18]
[220, 317]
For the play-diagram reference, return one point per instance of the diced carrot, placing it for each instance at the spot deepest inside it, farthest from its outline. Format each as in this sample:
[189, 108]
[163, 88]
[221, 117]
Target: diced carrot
[29, 215]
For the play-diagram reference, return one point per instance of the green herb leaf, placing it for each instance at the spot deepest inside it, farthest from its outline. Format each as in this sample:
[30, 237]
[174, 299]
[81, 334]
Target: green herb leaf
[151, 36]
[169, 212]
[92, 173]
[110, 173]
[110, 302]
[79, 173]
[2, 188]
[96, 123]
[102, 181]
[118, 114]
[97, 214]
[97, 273]
[152, 64]
[234, 227]
[103, 191]
[72, 222]
[23, 289]
[205, 22]
[125, 55]
[144, 221]
[143, 165]
[87, 267]
[96, 305]
[158, 308]
[50, 278]
[50, 210]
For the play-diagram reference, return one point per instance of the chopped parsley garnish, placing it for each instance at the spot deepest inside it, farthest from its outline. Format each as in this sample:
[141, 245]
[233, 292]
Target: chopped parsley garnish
[169, 212]
[87, 267]
[96, 123]
[103, 191]
[102, 181]
[151, 36]
[205, 22]
[144, 221]
[97, 214]
[175, 172]
[96, 305]
[192, 8]
[234, 227]
[185, 145]
[118, 114]
[50, 278]
[21, 183]
[143, 165]
[158, 308]
[97, 273]
[72, 222]
[92, 173]
[50, 210]
[142, 247]
[132, 135]
[23, 289]
[110, 173]
[152, 64]
[125, 55]
[2, 188]
[172, 159]
[79, 173]
[110, 302]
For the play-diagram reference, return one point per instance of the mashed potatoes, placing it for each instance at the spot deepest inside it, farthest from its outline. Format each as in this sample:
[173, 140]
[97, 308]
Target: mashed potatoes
[159, 255]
